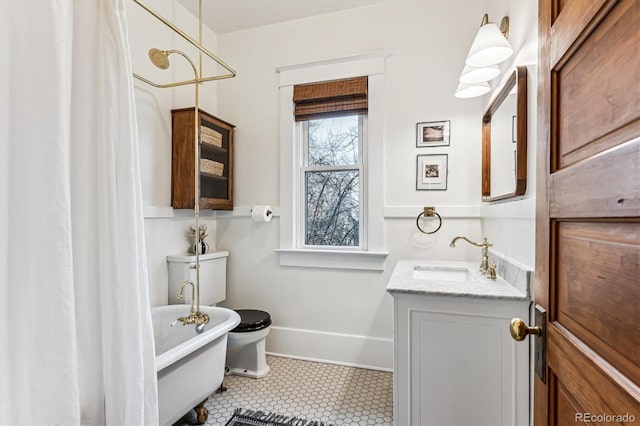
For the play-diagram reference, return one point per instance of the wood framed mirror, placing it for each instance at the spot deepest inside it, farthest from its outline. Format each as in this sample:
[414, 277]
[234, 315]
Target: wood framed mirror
[504, 141]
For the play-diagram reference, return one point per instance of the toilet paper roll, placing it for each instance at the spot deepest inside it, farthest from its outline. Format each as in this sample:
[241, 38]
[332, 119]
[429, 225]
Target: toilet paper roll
[261, 213]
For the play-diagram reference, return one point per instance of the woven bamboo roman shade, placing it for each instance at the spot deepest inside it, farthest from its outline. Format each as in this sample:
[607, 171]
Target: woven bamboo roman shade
[330, 98]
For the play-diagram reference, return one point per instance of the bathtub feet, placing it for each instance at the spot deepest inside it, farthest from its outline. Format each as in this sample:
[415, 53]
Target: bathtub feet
[222, 387]
[202, 413]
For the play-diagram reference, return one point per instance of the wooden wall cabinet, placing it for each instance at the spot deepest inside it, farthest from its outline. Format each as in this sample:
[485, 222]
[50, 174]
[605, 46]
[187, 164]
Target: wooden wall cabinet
[215, 161]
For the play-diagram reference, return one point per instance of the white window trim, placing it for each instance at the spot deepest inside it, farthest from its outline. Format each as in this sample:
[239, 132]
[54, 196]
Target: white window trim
[303, 135]
[373, 257]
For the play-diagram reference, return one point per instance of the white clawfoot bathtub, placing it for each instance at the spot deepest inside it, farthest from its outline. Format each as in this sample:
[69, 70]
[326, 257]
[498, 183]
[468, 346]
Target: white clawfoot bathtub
[190, 365]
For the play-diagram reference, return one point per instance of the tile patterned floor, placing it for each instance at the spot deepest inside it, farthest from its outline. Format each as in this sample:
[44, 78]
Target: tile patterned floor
[327, 392]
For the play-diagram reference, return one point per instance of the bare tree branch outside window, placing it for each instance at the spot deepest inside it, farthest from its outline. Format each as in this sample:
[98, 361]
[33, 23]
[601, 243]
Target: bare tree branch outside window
[332, 191]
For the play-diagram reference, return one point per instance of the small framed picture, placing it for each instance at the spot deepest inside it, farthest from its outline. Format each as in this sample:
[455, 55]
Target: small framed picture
[431, 172]
[433, 133]
[514, 128]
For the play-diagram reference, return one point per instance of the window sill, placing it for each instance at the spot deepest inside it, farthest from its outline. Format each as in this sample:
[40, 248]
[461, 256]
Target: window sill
[334, 259]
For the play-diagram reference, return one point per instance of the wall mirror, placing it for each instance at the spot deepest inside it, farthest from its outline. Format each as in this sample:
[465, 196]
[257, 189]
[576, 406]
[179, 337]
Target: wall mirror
[504, 141]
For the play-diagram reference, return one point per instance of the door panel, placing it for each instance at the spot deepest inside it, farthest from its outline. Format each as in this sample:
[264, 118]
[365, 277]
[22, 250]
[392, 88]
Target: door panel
[587, 377]
[600, 87]
[588, 209]
[597, 289]
[567, 408]
[573, 15]
[606, 179]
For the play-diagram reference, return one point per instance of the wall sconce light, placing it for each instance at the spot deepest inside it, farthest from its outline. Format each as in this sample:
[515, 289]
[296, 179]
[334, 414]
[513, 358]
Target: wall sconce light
[465, 91]
[490, 46]
[471, 75]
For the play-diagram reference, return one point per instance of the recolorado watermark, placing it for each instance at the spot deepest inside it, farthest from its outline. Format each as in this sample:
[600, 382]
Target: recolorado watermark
[605, 418]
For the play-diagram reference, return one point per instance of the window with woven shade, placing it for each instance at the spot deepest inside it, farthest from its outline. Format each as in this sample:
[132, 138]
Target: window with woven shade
[331, 118]
[330, 99]
[332, 163]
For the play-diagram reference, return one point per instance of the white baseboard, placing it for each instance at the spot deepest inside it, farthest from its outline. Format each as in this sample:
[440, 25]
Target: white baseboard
[334, 348]
[328, 361]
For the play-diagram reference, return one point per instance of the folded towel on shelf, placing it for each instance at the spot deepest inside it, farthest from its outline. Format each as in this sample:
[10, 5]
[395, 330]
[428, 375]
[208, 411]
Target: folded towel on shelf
[211, 167]
[210, 137]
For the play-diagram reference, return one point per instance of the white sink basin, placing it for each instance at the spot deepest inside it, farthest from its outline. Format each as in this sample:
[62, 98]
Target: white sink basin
[443, 273]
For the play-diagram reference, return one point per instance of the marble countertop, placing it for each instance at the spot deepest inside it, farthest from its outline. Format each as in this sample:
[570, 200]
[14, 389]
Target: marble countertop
[402, 281]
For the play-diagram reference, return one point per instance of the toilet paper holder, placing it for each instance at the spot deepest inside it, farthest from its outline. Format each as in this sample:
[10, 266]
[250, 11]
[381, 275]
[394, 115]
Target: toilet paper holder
[429, 212]
[261, 213]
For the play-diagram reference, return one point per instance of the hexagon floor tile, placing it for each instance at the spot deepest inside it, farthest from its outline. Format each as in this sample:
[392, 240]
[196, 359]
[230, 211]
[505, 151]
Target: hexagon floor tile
[312, 390]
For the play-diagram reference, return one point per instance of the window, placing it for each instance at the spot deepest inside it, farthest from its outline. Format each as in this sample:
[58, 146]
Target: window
[330, 211]
[331, 164]
[331, 173]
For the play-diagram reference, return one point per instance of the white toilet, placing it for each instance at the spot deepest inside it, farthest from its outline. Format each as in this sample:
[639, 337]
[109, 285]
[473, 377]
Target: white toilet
[246, 343]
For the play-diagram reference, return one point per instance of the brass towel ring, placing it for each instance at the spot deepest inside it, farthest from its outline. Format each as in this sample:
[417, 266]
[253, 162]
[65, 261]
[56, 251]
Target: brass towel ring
[429, 212]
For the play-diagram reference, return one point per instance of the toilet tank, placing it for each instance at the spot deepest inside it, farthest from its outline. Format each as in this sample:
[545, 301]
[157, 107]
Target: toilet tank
[213, 277]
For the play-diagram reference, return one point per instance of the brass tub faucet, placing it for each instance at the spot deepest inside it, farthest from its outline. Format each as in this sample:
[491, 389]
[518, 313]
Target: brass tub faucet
[194, 317]
[484, 264]
[181, 296]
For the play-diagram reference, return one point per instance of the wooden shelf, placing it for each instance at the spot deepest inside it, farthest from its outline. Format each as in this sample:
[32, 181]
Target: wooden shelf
[206, 146]
[216, 192]
[210, 176]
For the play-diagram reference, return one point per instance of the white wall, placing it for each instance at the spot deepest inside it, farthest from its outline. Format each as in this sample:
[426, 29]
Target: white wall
[343, 315]
[165, 229]
[510, 226]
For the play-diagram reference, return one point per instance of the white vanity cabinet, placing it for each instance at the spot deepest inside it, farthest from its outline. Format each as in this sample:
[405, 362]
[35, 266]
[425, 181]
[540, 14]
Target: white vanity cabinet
[455, 362]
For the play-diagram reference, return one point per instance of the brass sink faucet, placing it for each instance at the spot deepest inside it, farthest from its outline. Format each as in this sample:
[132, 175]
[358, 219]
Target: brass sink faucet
[194, 317]
[484, 264]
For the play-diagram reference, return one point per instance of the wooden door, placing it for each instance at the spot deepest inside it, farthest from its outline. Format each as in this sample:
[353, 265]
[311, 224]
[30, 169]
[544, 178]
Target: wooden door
[588, 203]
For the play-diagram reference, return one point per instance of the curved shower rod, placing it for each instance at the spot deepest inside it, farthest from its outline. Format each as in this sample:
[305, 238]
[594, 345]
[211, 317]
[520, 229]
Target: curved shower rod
[199, 79]
[160, 58]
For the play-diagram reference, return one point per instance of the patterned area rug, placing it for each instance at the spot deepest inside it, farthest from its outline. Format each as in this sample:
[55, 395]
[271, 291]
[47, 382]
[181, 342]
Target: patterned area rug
[260, 418]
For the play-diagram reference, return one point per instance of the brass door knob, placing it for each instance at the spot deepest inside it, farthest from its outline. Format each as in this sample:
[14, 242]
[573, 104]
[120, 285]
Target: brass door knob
[519, 330]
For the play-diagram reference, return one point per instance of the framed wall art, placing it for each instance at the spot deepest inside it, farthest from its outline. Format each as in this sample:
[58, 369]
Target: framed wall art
[433, 133]
[431, 172]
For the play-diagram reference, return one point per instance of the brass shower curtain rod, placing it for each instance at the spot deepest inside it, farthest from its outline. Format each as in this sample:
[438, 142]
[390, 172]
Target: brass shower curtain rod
[160, 58]
[198, 44]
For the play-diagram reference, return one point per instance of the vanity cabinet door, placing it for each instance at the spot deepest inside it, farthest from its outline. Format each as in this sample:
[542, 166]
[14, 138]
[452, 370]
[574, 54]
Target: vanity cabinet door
[463, 366]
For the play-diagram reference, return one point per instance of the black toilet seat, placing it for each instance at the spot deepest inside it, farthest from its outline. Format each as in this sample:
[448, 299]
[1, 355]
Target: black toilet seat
[252, 320]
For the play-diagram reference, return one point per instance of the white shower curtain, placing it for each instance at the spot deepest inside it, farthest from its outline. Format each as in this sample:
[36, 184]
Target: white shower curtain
[76, 340]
